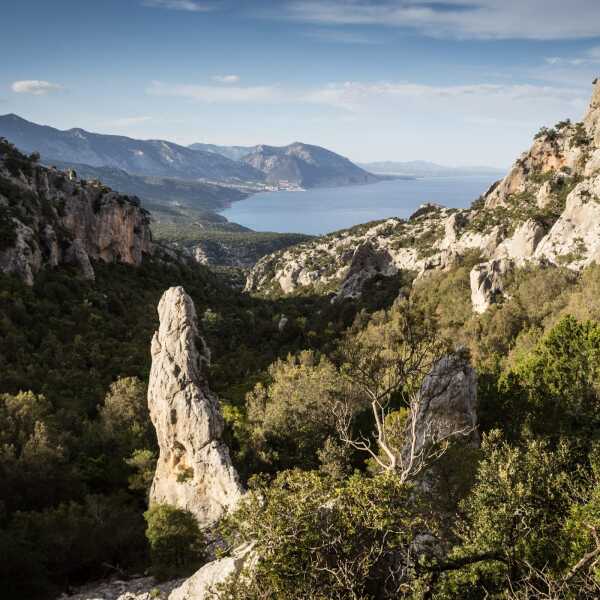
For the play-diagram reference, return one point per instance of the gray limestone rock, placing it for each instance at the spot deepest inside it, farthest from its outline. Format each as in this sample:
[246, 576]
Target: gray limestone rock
[194, 470]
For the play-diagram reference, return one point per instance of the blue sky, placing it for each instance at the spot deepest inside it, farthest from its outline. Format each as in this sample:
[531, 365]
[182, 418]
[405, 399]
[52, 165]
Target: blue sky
[453, 81]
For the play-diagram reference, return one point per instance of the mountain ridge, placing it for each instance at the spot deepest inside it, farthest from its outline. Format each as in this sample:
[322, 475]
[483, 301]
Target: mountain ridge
[306, 165]
[546, 212]
[425, 168]
[140, 157]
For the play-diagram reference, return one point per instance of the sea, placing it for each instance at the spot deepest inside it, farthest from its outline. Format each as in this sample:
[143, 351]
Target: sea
[323, 210]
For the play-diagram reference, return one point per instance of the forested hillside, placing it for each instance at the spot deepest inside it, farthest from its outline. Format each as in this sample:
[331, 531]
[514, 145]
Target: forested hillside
[392, 443]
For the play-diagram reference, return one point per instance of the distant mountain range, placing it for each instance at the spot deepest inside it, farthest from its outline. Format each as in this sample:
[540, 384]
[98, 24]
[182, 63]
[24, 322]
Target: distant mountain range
[423, 168]
[296, 165]
[306, 166]
[232, 152]
[141, 157]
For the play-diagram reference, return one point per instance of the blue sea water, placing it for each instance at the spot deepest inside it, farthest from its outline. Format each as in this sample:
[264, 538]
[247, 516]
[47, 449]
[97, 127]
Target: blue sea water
[323, 210]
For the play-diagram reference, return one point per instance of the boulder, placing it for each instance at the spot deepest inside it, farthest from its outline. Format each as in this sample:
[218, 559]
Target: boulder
[194, 470]
[203, 583]
[522, 244]
[367, 262]
[487, 283]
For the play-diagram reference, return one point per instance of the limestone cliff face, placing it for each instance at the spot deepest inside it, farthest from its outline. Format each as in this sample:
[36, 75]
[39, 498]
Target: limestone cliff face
[194, 470]
[50, 217]
[546, 210]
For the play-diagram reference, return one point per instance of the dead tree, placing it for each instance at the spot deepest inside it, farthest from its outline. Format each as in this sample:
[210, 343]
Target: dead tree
[388, 362]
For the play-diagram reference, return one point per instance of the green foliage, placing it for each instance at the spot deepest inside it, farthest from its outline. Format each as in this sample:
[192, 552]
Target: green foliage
[547, 134]
[514, 516]
[124, 415]
[70, 543]
[177, 547]
[560, 381]
[15, 161]
[291, 418]
[318, 539]
[143, 463]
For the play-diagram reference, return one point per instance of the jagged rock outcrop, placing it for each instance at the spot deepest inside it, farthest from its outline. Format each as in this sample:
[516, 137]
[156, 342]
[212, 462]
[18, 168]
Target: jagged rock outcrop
[575, 237]
[48, 218]
[367, 262]
[487, 283]
[448, 407]
[194, 470]
[204, 582]
[545, 211]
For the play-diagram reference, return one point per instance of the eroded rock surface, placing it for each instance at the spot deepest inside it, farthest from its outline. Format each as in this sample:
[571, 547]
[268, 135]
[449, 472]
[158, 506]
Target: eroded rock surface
[448, 402]
[194, 470]
[48, 218]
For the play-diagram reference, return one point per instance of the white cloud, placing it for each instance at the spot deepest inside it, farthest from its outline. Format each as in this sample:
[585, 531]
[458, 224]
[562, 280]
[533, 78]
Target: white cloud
[483, 19]
[226, 78]
[218, 94]
[355, 96]
[186, 5]
[36, 87]
[509, 102]
[590, 57]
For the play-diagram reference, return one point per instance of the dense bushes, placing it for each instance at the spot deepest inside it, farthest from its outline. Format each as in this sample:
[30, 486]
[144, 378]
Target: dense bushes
[77, 450]
[318, 538]
[177, 547]
[79, 352]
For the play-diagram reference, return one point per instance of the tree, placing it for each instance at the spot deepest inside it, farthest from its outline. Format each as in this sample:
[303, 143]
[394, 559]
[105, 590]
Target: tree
[291, 418]
[315, 537]
[124, 415]
[387, 362]
[513, 517]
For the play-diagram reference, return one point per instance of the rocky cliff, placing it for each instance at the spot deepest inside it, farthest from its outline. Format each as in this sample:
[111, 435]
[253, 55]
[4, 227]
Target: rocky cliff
[546, 210]
[49, 217]
[194, 470]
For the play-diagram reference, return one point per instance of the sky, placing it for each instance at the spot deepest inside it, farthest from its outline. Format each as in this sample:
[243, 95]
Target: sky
[458, 82]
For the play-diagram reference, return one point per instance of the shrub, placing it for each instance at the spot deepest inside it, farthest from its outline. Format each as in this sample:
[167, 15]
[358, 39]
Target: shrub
[319, 538]
[177, 547]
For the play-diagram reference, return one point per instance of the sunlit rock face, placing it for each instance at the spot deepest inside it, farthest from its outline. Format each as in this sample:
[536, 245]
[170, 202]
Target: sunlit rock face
[194, 470]
[58, 219]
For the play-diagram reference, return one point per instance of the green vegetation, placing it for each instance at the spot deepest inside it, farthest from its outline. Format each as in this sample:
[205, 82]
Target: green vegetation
[177, 546]
[226, 243]
[317, 420]
[79, 436]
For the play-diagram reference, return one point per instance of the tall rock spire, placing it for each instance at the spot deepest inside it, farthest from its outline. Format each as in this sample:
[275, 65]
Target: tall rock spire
[194, 470]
